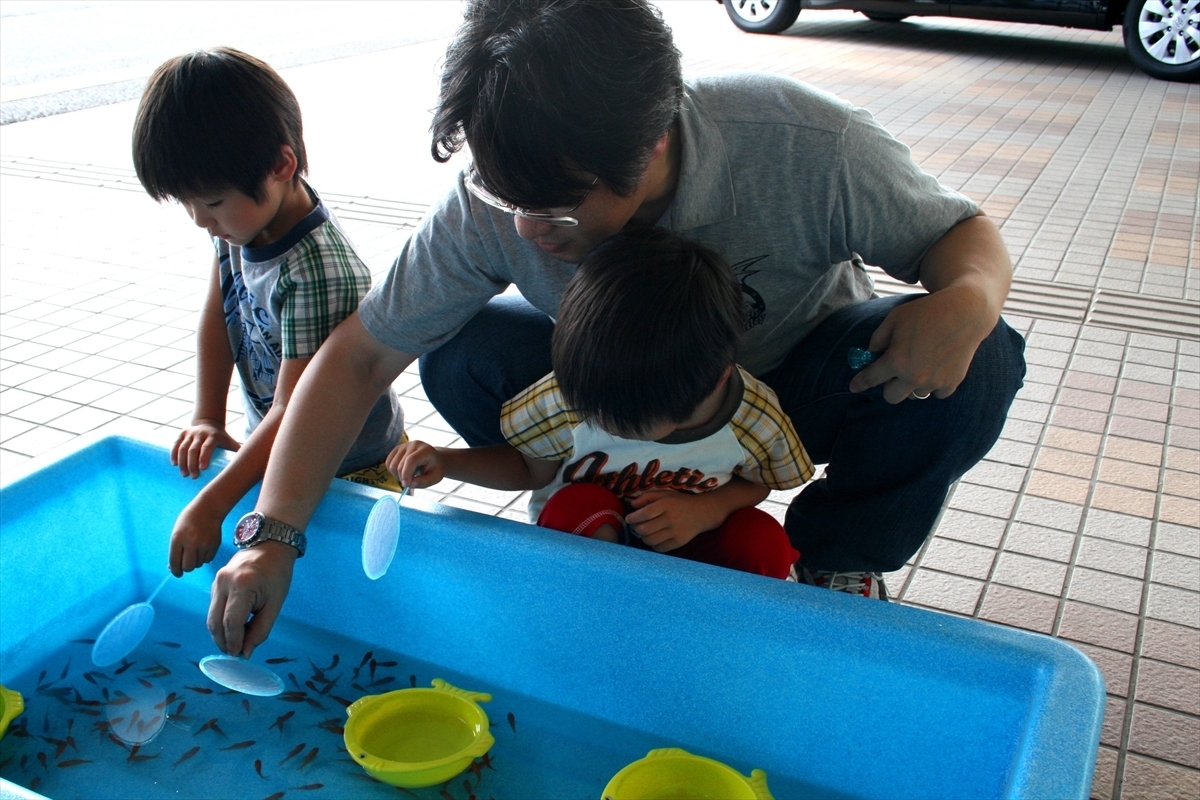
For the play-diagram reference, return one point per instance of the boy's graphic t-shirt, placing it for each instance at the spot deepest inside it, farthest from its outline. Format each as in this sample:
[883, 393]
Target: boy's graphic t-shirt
[282, 301]
[750, 436]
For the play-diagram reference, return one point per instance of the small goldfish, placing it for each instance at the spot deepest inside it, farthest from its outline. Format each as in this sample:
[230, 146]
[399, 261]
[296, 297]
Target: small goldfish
[295, 752]
[281, 660]
[239, 745]
[258, 768]
[308, 759]
[74, 762]
[512, 722]
[186, 756]
[278, 723]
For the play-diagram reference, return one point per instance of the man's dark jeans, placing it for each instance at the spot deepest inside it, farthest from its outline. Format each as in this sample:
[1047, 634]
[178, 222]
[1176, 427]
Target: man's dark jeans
[888, 466]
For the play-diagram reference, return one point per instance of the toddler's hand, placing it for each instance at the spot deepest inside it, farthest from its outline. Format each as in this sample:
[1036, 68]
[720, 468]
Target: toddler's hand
[195, 540]
[409, 458]
[193, 449]
[666, 519]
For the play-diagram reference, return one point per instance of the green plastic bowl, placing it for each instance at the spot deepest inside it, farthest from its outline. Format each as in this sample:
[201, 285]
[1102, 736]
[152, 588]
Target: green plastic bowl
[674, 774]
[418, 737]
[11, 706]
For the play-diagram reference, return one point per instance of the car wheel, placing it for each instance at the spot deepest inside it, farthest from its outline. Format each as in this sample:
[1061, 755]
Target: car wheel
[884, 17]
[763, 16]
[1163, 37]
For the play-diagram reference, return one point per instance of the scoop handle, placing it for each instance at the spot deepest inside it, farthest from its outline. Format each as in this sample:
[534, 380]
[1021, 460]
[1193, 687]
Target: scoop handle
[154, 594]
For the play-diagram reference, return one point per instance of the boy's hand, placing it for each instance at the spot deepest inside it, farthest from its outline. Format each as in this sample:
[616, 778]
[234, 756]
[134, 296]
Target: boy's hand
[192, 451]
[408, 458]
[666, 519]
[196, 538]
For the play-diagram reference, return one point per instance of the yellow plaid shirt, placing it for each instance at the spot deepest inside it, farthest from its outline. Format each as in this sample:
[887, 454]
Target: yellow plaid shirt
[538, 423]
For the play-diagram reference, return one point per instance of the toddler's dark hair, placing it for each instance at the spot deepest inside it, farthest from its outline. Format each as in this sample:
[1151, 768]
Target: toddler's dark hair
[213, 120]
[646, 328]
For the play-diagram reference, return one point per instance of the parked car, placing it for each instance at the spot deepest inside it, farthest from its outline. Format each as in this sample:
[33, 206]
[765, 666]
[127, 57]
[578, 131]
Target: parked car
[1161, 36]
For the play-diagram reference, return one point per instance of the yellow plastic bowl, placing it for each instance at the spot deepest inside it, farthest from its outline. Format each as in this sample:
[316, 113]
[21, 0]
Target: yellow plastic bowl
[674, 774]
[418, 737]
[11, 706]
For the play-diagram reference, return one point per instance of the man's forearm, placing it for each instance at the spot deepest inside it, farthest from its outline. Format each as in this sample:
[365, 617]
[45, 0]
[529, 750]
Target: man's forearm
[324, 416]
[971, 256]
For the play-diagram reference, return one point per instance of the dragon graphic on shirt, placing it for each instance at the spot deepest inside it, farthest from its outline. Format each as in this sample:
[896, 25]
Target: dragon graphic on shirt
[756, 307]
[254, 349]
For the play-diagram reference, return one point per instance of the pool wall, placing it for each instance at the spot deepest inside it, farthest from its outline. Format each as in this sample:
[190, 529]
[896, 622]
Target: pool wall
[866, 699]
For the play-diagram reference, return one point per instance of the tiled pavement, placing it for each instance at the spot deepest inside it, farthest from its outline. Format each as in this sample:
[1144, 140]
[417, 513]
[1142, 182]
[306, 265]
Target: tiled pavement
[1084, 520]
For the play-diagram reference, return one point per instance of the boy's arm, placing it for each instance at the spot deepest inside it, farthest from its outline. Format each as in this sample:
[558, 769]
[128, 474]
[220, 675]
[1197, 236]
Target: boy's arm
[666, 519]
[197, 533]
[193, 448]
[499, 467]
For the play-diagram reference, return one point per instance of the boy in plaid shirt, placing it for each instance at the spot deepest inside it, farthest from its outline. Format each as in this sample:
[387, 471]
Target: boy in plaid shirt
[647, 432]
[220, 132]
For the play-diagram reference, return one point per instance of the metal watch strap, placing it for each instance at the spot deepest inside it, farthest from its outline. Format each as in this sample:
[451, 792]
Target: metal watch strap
[281, 532]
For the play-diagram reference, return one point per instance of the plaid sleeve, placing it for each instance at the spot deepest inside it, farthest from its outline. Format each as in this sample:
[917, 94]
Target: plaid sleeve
[321, 284]
[775, 457]
[537, 422]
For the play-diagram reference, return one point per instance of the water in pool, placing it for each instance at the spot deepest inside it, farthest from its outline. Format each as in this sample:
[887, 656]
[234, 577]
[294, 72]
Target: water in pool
[154, 726]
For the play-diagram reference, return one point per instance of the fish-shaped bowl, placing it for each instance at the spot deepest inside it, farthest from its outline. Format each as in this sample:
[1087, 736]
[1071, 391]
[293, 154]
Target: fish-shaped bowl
[11, 706]
[679, 775]
[418, 737]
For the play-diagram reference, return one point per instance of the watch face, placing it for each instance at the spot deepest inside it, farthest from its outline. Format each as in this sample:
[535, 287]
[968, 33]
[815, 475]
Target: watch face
[247, 529]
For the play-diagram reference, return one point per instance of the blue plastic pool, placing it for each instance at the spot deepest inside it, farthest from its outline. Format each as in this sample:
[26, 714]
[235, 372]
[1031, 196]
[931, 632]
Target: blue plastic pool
[595, 654]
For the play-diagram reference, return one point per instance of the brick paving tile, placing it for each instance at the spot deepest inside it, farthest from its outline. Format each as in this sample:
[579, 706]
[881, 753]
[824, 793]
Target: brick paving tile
[1181, 484]
[1113, 725]
[1141, 390]
[1148, 779]
[1104, 589]
[1116, 667]
[1181, 510]
[1105, 776]
[1122, 498]
[968, 527]
[996, 474]
[984, 500]
[1114, 557]
[1101, 626]
[948, 555]
[1168, 685]
[1049, 513]
[1080, 419]
[1166, 735]
[1091, 383]
[1043, 543]
[1177, 539]
[1127, 473]
[1054, 486]
[1118, 527]
[1019, 608]
[1065, 462]
[944, 592]
[1176, 570]
[1167, 642]
[1133, 450]
[1135, 428]
[1034, 574]
[1170, 604]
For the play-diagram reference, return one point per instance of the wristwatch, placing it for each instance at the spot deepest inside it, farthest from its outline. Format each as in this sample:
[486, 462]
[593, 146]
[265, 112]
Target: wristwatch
[254, 529]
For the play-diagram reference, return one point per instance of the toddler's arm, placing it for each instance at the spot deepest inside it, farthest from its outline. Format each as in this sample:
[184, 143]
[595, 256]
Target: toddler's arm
[500, 467]
[666, 519]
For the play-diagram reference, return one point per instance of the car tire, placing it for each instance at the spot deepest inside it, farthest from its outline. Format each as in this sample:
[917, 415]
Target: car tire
[763, 16]
[873, 16]
[1163, 38]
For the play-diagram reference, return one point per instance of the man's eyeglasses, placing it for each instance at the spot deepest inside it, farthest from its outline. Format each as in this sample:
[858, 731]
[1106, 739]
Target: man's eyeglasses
[558, 217]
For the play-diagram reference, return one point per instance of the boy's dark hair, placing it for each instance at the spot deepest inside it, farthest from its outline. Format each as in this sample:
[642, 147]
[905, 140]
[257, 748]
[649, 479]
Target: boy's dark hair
[646, 328]
[542, 90]
[213, 120]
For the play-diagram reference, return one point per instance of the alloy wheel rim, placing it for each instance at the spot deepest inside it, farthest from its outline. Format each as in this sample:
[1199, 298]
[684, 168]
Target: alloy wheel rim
[1169, 31]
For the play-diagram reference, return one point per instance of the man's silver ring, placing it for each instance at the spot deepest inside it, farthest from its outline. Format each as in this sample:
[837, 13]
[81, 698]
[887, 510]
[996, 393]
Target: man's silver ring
[916, 396]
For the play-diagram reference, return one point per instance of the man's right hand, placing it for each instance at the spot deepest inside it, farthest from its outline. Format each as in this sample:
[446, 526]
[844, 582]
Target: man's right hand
[247, 596]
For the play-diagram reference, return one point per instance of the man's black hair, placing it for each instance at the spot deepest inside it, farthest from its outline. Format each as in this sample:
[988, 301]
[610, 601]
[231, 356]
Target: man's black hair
[647, 326]
[213, 120]
[544, 90]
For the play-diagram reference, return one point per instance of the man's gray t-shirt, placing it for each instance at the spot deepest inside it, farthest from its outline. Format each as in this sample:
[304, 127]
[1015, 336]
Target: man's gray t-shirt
[794, 187]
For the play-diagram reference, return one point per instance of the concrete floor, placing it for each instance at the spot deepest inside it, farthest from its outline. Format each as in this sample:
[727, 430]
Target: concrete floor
[1082, 523]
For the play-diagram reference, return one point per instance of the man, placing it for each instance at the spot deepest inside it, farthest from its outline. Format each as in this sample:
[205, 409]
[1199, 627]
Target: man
[580, 125]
